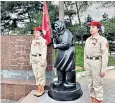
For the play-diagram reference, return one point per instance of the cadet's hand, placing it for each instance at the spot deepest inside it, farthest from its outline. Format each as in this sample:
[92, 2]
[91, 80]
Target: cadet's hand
[102, 74]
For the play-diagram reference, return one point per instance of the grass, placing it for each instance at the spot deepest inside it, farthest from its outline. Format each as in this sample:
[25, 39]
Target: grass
[80, 58]
[111, 61]
[79, 55]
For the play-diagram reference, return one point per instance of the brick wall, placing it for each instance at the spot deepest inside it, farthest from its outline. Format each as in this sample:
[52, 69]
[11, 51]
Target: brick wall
[15, 52]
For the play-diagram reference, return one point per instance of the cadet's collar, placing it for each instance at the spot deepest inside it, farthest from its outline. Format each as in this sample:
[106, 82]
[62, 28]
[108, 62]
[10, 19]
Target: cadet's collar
[38, 38]
[95, 37]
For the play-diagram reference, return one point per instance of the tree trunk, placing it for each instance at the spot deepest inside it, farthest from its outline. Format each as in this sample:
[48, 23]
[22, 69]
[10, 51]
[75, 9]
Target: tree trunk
[30, 22]
[68, 15]
[78, 13]
[82, 39]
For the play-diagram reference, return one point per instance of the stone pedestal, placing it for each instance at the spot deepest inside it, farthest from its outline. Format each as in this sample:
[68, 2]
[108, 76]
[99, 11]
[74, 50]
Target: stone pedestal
[62, 93]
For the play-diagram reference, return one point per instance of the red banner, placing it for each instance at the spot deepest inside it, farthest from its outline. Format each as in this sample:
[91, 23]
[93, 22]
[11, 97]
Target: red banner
[46, 28]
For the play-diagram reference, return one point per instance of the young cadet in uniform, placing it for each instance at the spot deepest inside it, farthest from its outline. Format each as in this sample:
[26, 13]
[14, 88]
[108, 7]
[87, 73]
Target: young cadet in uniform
[96, 61]
[38, 60]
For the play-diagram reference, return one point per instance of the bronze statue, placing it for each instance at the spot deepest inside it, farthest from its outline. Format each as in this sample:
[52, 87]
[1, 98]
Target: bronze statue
[66, 88]
[65, 63]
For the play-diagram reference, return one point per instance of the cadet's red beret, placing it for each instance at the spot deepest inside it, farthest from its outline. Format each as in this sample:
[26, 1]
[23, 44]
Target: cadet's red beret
[95, 23]
[37, 28]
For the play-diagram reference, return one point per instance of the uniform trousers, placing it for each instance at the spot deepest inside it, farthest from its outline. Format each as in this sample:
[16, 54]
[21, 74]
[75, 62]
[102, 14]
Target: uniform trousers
[95, 82]
[39, 73]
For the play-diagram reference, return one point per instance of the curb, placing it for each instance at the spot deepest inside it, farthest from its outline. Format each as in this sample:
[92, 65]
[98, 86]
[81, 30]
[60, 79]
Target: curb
[83, 73]
[110, 67]
[80, 74]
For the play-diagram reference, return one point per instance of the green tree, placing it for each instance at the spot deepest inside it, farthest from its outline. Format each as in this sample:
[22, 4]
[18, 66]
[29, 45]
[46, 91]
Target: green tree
[109, 26]
[21, 16]
[15, 13]
[110, 32]
[107, 4]
[69, 11]
[81, 6]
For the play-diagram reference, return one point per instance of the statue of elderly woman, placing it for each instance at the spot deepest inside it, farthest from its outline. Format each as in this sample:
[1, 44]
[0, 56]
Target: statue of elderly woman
[65, 62]
[66, 85]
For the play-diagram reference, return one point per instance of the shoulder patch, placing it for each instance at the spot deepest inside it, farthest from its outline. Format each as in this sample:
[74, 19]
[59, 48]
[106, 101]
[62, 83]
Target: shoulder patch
[107, 45]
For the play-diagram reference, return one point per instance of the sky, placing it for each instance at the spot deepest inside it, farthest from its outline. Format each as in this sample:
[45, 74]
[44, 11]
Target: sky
[95, 12]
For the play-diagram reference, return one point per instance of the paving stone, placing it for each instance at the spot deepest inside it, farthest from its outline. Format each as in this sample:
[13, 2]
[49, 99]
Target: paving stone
[109, 93]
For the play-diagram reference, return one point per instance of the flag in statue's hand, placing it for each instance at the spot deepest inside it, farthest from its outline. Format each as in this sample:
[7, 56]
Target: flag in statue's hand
[46, 24]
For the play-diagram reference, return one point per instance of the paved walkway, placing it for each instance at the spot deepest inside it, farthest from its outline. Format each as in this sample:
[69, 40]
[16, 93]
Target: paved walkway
[109, 87]
[7, 101]
[109, 91]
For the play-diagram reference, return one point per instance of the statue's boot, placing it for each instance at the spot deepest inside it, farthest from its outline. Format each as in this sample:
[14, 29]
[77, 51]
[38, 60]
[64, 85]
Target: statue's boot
[70, 79]
[61, 78]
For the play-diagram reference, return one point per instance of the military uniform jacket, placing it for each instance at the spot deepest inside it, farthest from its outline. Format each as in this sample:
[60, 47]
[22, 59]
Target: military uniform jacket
[97, 47]
[38, 51]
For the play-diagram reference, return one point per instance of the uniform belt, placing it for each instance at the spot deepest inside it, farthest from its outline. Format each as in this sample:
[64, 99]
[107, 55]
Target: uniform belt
[93, 58]
[36, 55]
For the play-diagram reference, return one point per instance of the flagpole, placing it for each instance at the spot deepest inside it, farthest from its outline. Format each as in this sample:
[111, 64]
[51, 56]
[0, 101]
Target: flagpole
[61, 10]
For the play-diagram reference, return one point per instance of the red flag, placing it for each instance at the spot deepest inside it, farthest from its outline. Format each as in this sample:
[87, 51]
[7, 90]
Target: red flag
[46, 24]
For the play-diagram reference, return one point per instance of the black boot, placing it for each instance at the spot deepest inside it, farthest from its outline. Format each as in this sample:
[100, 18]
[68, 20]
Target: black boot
[70, 79]
[61, 78]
